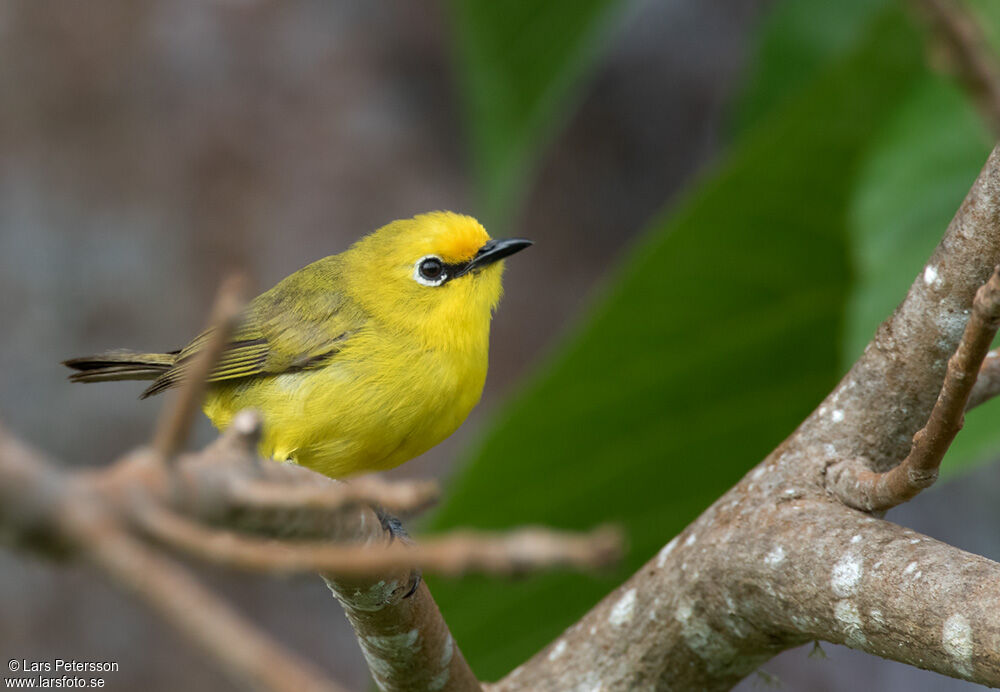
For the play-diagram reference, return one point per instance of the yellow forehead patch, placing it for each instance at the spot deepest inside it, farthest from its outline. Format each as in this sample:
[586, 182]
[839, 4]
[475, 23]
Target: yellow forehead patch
[452, 237]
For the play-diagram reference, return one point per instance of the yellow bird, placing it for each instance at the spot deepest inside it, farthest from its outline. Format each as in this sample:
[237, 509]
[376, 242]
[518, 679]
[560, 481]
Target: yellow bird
[360, 361]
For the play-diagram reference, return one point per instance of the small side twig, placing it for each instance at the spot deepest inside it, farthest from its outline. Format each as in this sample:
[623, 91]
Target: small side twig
[988, 382]
[175, 421]
[453, 554]
[971, 57]
[862, 488]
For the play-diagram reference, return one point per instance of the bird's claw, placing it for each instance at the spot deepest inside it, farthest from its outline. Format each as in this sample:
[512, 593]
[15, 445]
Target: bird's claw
[396, 531]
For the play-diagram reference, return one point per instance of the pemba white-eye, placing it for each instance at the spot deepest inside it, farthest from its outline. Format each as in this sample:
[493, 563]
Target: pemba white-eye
[357, 362]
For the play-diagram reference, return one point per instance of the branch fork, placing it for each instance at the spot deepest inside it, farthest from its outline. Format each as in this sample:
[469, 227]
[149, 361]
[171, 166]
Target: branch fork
[854, 483]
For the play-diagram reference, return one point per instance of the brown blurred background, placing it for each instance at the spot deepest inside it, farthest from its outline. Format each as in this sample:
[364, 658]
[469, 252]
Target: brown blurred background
[148, 147]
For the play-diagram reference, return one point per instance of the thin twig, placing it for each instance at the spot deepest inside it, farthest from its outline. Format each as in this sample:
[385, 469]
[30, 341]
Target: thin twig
[398, 498]
[988, 382]
[858, 486]
[971, 57]
[175, 421]
[453, 554]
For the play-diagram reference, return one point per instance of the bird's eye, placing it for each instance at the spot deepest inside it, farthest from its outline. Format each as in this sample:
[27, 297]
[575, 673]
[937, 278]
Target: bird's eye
[430, 271]
[431, 268]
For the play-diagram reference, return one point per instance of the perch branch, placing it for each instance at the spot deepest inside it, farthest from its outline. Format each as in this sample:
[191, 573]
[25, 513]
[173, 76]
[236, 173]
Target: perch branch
[453, 554]
[396, 498]
[859, 487]
[89, 515]
[405, 641]
[226, 485]
[402, 634]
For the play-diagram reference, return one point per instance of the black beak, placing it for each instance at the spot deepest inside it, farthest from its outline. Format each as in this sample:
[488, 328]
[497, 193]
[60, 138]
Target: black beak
[492, 251]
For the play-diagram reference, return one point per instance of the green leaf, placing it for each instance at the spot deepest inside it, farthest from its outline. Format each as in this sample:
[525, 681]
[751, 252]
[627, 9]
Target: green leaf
[796, 41]
[519, 64]
[718, 335]
[910, 185]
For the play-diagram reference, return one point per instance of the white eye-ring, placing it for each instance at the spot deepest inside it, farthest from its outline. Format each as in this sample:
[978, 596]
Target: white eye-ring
[429, 271]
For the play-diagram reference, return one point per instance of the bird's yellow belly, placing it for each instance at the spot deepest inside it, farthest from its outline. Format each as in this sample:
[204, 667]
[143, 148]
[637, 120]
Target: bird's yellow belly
[354, 416]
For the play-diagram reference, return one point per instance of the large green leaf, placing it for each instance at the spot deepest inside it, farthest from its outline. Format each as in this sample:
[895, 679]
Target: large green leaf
[519, 62]
[717, 336]
[909, 187]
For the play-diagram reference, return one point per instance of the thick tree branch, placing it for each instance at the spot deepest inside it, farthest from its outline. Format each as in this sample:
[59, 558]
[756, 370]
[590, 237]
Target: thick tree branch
[751, 578]
[778, 560]
[859, 487]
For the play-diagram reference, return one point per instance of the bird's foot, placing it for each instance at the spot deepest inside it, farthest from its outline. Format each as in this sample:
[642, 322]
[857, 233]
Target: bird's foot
[394, 526]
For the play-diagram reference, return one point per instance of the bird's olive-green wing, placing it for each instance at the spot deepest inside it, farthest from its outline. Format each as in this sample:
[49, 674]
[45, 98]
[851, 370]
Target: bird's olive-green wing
[299, 324]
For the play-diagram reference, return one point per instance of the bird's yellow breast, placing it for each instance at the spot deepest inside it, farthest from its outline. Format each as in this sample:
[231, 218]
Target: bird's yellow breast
[380, 402]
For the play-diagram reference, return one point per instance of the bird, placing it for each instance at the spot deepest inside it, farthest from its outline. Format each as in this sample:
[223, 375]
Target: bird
[359, 361]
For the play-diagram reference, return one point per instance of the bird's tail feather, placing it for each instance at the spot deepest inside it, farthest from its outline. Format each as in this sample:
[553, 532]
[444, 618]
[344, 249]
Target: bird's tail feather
[120, 365]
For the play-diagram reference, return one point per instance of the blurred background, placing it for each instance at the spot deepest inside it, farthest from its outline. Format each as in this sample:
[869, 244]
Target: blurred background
[726, 196]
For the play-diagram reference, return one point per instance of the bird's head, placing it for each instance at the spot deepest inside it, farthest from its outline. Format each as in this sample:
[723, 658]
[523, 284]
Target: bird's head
[434, 272]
